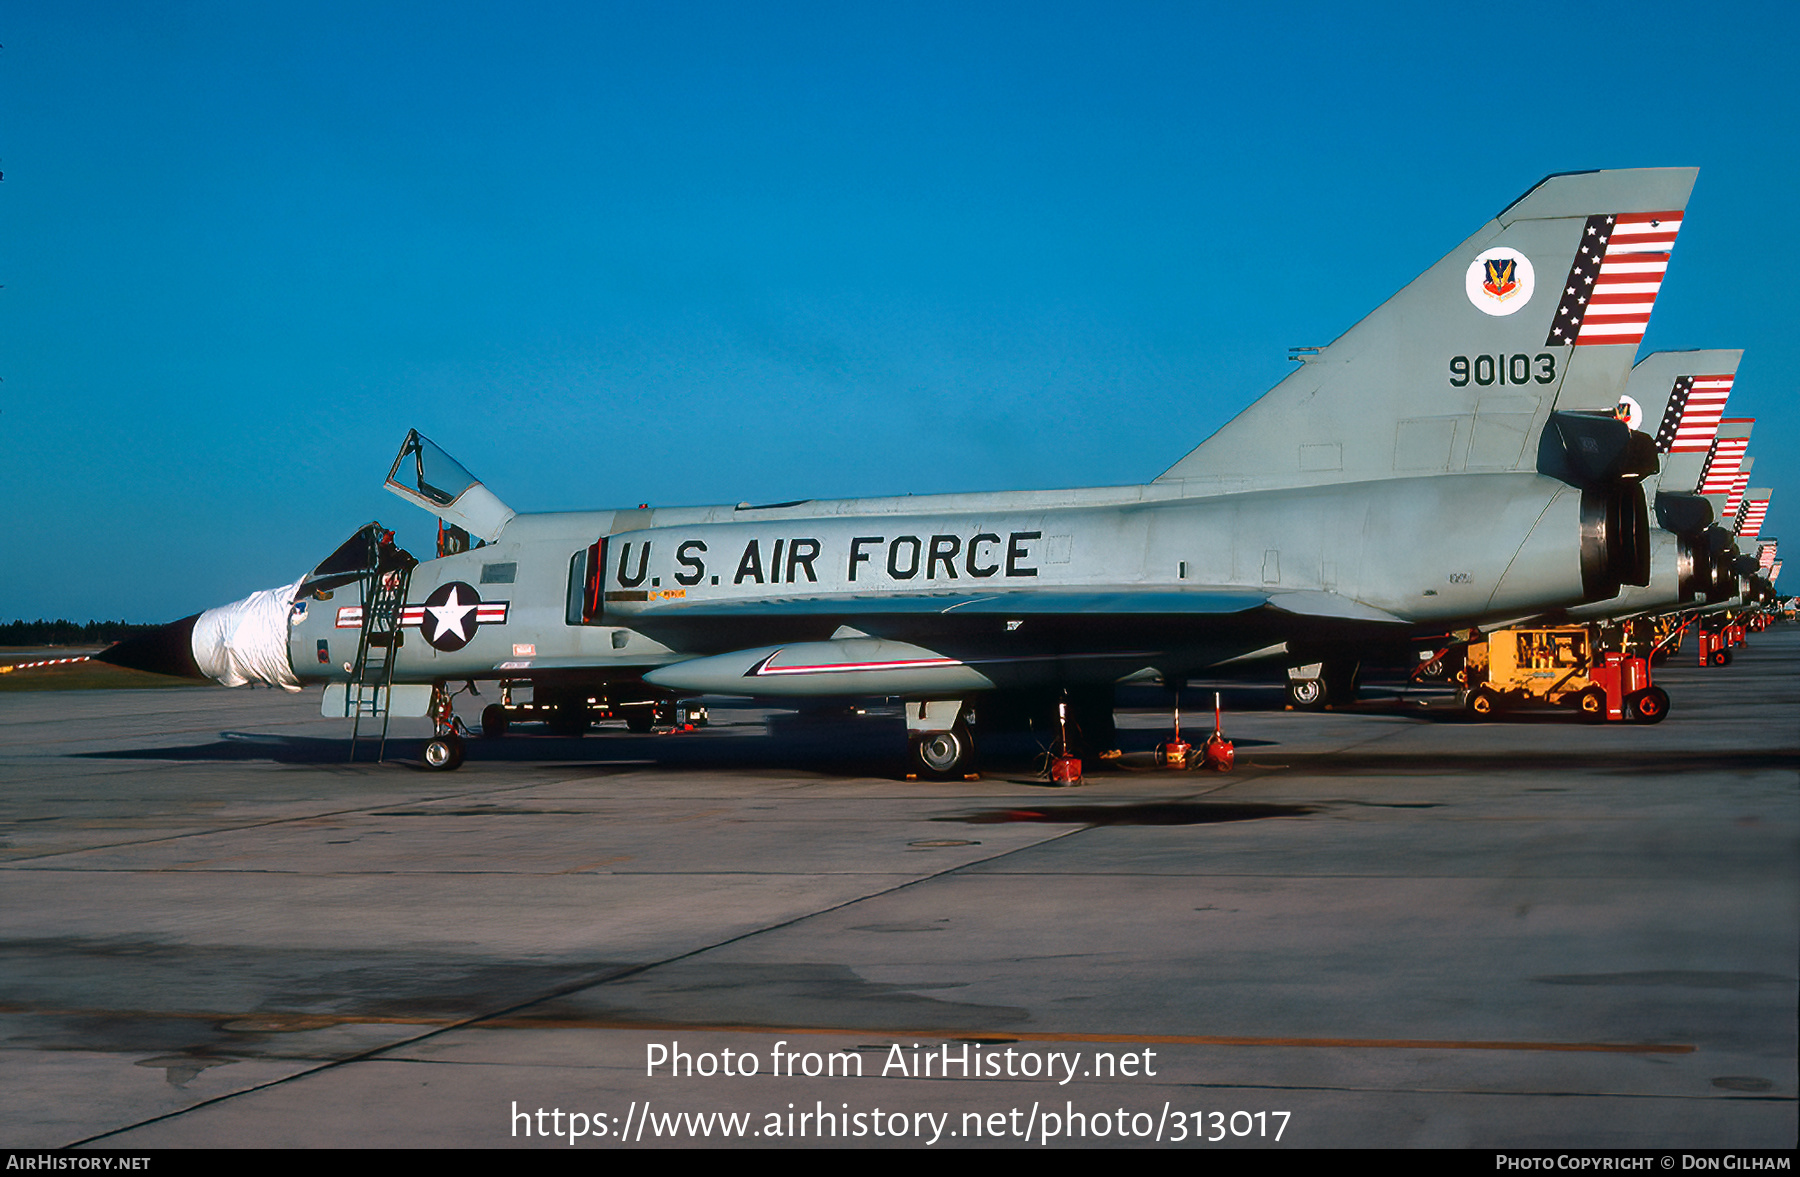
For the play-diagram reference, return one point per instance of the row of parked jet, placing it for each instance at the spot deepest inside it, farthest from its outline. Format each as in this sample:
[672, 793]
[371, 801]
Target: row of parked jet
[1483, 450]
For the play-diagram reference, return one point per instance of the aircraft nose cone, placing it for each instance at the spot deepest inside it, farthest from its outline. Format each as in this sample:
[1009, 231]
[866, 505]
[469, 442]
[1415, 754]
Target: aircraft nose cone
[166, 650]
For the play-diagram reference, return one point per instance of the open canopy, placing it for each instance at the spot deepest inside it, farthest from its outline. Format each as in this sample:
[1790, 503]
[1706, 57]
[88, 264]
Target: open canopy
[426, 476]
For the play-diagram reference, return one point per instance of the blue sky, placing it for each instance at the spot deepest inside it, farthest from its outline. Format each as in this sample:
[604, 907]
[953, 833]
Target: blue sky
[688, 253]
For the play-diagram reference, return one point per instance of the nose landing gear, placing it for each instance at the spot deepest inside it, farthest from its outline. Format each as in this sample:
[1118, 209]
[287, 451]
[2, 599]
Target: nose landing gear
[443, 753]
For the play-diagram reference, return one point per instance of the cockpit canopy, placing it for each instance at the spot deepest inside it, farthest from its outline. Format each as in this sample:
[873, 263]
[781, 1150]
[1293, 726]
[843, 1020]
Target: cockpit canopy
[369, 552]
[426, 476]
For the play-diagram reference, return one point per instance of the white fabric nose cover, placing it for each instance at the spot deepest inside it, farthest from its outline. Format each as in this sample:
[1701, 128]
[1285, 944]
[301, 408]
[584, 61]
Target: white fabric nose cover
[247, 641]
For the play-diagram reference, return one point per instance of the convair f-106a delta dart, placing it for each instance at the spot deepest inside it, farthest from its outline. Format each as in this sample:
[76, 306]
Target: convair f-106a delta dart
[1453, 459]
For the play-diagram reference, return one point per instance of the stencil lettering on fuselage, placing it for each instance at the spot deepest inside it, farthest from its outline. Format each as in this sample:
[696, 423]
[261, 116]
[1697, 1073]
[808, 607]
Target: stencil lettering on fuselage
[849, 561]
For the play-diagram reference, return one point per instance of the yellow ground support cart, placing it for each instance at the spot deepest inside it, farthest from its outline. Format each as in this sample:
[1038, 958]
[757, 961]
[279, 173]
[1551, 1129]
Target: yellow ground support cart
[1561, 665]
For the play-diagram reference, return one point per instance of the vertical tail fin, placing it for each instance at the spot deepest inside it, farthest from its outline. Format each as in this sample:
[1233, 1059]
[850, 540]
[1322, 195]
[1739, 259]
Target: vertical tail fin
[1679, 398]
[1734, 497]
[1750, 516]
[1460, 370]
[1725, 457]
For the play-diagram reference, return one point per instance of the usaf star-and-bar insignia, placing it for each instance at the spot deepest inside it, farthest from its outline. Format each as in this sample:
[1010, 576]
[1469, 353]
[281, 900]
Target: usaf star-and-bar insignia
[451, 615]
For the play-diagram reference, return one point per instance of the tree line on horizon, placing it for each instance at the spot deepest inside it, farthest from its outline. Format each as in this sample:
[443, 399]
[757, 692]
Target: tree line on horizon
[63, 632]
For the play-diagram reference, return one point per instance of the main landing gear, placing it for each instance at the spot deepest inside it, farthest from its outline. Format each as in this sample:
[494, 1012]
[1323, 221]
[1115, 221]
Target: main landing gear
[940, 741]
[940, 733]
[1318, 685]
[943, 755]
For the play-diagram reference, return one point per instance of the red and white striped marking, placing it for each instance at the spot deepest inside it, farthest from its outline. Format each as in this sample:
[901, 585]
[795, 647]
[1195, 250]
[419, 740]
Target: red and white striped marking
[1631, 273]
[46, 662]
[1734, 497]
[1722, 465]
[1755, 510]
[1701, 415]
[486, 613]
[767, 667]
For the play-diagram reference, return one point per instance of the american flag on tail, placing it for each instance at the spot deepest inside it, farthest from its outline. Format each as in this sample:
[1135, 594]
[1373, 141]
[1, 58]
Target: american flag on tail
[1612, 285]
[1751, 515]
[1734, 498]
[1722, 463]
[1696, 405]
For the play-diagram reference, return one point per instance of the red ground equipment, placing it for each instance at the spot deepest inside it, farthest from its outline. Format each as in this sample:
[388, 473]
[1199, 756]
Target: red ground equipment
[1064, 768]
[1629, 695]
[1174, 753]
[1218, 754]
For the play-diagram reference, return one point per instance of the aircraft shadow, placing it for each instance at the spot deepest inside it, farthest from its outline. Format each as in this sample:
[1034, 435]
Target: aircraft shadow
[872, 746]
[873, 749]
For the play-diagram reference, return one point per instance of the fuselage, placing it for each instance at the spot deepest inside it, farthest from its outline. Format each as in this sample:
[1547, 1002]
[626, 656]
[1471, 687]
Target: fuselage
[1429, 551]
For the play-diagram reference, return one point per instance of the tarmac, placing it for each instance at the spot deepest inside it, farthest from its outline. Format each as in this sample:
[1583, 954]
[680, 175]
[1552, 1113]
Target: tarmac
[1388, 927]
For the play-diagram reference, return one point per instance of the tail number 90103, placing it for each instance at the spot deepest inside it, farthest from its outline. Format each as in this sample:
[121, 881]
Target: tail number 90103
[1503, 369]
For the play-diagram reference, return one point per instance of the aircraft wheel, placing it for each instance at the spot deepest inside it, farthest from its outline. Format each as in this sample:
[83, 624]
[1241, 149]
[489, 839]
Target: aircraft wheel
[1484, 704]
[494, 721]
[443, 753]
[1593, 704]
[1650, 705]
[640, 719]
[943, 755]
[1306, 693]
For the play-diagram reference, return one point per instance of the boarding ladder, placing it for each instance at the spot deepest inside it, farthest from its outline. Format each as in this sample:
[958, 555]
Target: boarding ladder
[371, 681]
